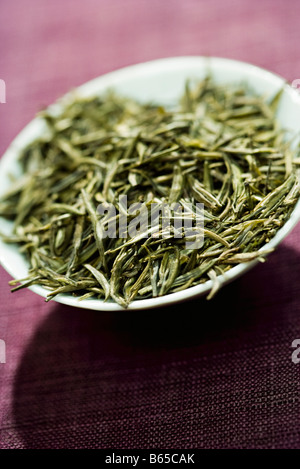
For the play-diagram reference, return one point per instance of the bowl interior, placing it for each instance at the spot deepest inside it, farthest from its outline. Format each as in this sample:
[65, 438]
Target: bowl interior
[161, 81]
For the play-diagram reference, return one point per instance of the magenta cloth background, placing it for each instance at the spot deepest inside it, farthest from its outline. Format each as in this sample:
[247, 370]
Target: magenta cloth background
[203, 374]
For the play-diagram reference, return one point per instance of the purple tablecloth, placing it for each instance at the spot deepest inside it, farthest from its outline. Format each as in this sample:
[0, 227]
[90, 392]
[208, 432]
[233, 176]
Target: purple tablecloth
[215, 374]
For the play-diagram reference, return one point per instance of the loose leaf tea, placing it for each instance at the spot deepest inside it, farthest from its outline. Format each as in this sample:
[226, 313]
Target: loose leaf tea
[221, 147]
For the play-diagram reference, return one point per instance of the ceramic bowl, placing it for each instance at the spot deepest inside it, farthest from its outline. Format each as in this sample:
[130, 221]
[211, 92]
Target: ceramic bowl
[160, 81]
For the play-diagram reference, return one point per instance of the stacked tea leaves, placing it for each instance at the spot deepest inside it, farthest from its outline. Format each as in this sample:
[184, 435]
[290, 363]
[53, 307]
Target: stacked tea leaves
[108, 206]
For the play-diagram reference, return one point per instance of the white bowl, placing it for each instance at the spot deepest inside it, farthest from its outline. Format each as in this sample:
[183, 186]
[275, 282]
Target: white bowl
[162, 81]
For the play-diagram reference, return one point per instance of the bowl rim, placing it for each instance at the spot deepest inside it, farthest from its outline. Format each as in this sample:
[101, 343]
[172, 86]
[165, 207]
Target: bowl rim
[98, 85]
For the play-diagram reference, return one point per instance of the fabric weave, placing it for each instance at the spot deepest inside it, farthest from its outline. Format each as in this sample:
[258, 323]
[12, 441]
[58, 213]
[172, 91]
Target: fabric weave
[215, 374]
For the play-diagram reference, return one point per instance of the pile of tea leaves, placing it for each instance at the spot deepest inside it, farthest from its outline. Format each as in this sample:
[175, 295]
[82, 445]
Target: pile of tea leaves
[221, 146]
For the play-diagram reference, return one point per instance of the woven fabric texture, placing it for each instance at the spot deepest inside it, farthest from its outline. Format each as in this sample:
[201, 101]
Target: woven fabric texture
[215, 374]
